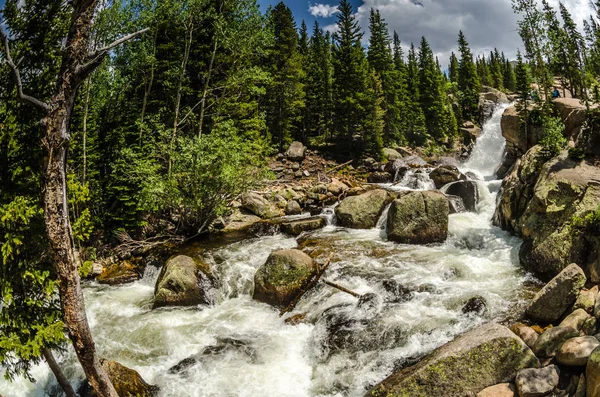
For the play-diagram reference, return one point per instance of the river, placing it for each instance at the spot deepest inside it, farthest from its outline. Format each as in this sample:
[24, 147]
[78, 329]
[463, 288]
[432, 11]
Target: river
[345, 346]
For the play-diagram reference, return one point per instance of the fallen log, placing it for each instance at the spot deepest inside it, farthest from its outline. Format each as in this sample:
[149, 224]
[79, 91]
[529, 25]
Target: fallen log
[339, 166]
[343, 289]
[307, 287]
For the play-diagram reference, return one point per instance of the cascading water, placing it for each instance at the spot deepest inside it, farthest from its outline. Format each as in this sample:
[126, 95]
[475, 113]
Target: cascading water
[413, 299]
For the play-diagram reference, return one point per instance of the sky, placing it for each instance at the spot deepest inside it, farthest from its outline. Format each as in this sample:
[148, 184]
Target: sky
[486, 23]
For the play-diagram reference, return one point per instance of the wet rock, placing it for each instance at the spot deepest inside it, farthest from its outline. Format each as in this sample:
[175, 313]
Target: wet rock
[296, 319]
[260, 206]
[501, 390]
[362, 212]
[486, 356]
[414, 161]
[183, 281]
[526, 333]
[552, 339]
[223, 346]
[592, 374]
[467, 190]
[575, 319]
[419, 218]
[293, 208]
[396, 291]
[119, 273]
[380, 177]
[391, 154]
[457, 206]
[554, 299]
[537, 382]
[296, 152]
[127, 382]
[336, 187]
[576, 351]
[476, 305]
[470, 132]
[396, 168]
[296, 228]
[281, 278]
[587, 299]
[590, 326]
[444, 175]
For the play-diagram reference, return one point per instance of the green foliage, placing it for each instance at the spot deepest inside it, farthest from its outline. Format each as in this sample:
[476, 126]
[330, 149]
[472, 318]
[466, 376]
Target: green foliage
[553, 141]
[468, 81]
[576, 154]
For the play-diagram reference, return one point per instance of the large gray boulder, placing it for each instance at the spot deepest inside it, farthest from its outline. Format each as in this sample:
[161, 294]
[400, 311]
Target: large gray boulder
[362, 212]
[127, 382]
[183, 281]
[260, 206]
[297, 227]
[281, 278]
[296, 152]
[550, 303]
[484, 357]
[537, 382]
[467, 190]
[444, 175]
[549, 342]
[419, 218]
[391, 154]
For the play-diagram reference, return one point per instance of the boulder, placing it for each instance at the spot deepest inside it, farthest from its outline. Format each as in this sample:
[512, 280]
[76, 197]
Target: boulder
[281, 278]
[295, 228]
[380, 177]
[501, 390]
[362, 212]
[480, 358]
[296, 152]
[549, 342]
[592, 374]
[119, 273]
[590, 326]
[573, 113]
[391, 154]
[183, 281]
[526, 333]
[371, 164]
[477, 305]
[336, 187]
[470, 132]
[575, 319]
[444, 175]
[467, 190]
[127, 382]
[239, 225]
[293, 208]
[457, 204]
[587, 299]
[537, 382]
[554, 299]
[396, 168]
[414, 161]
[260, 206]
[576, 351]
[494, 95]
[419, 217]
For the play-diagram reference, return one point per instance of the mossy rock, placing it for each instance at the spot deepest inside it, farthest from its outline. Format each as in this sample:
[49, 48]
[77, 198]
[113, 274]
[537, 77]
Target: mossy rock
[281, 278]
[183, 281]
[484, 357]
[127, 382]
[362, 212]
[120, 273]
[419, 218]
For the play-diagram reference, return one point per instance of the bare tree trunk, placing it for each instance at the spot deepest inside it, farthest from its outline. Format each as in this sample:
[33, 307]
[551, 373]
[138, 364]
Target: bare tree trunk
[58, 373]
[76, 65]
[186, 55]
[85, 117]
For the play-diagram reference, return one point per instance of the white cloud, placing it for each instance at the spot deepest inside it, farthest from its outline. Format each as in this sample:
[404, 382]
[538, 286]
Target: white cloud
[322, 10]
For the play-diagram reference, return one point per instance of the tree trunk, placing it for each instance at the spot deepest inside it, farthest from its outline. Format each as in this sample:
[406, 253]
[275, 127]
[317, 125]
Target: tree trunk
[85, 117]
[58, 373]
[206, 85]
[148, 88]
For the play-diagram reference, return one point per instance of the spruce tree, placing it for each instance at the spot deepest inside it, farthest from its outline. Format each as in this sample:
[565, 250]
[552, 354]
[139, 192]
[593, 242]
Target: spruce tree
[574, 48]
[415, 128]
[509, 76]
[453, 68]
[468, 80]
[523, 88]
[431, 94]
[319, 71]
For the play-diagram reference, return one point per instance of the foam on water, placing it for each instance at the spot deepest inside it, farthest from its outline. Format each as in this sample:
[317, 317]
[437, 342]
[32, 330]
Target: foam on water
[346, 346]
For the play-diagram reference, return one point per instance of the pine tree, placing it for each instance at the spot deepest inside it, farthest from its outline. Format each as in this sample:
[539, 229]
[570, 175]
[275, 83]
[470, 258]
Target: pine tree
[415, 128]
[509, 76]
[523, 89]
[468, 80]
[496, 69]
[574, 47]
[453, 68]
[286, 94]
[431, 95]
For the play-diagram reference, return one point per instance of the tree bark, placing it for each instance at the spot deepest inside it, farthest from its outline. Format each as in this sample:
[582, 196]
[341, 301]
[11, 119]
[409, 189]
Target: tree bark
[58, 373]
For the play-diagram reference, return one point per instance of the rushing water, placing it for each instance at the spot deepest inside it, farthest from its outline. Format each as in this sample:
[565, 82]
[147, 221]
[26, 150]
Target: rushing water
[346, 345]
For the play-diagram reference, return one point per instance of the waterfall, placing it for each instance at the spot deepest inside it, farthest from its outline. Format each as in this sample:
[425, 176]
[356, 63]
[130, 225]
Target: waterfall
[488, 151]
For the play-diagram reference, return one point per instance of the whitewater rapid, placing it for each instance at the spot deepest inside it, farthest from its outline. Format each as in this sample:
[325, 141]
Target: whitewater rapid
[419, 292]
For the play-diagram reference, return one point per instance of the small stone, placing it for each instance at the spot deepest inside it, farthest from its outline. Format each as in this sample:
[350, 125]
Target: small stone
[575, 352]
[586, 300]
[475, 305]
[298, 174]
[575, 319]
[293, 208]
[534, 382]
[501, 390]
[526, 333]
[306, 173]
[552, 339]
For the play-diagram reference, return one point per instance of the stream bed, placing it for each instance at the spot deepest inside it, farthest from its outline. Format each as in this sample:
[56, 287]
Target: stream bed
[344, 346]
